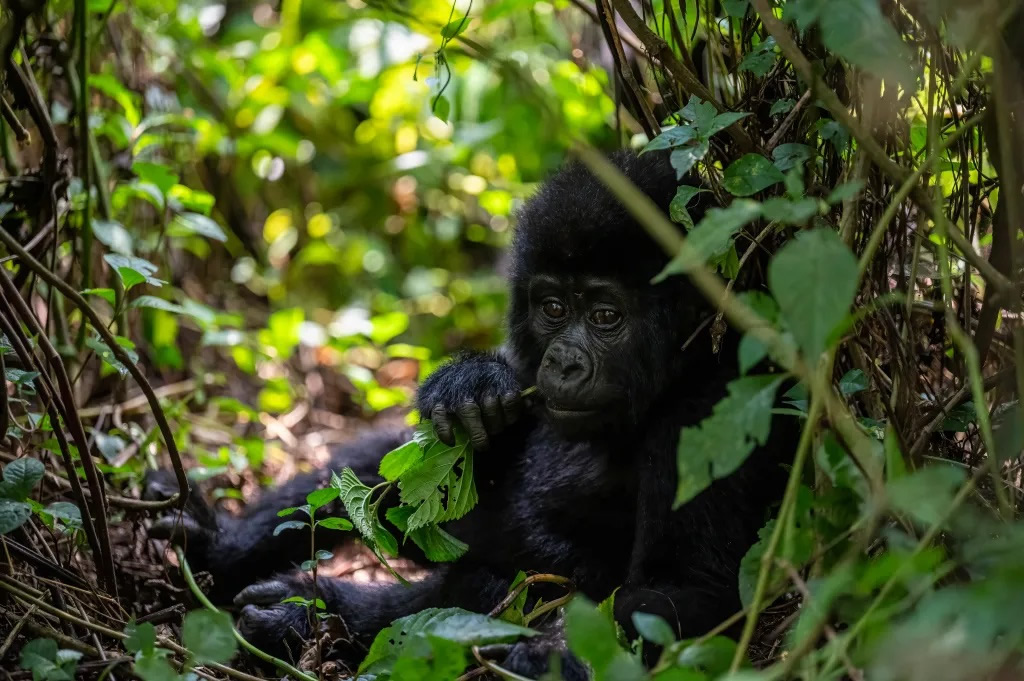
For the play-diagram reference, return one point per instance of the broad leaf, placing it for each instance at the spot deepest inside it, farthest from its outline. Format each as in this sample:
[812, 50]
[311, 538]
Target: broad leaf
[289, 525]
[685, 158]
[750, 174]
[857, 31]
[399, 460]
[133, 270]
[711, 238]
[592, 637]
[671, 138]
[436, 544]
[335, 523]
[451, 624]
[13, 514]
[719, 444]
[209, 636]
[21, 476]
[441, 487]
[790, 212]
[195, 223]
[814, 280]
[321, 497]
[787, 156]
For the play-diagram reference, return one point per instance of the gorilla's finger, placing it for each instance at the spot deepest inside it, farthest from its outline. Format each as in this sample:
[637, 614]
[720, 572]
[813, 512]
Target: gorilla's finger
[493, 416]
[263, 593]
[469, 415]
[178, 528]
[512, 404]
[443, 425]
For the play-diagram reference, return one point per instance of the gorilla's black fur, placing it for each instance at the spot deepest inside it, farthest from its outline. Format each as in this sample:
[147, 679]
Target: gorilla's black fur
[581, 482]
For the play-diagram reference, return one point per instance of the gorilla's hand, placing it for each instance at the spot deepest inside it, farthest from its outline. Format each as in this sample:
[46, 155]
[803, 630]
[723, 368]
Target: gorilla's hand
[272, 626]
[480, 392]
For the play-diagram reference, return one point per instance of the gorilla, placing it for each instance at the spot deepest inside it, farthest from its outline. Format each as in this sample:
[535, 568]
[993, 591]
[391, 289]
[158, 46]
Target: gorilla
[578, 482]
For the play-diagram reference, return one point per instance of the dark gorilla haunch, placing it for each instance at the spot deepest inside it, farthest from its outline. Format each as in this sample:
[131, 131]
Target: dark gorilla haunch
[579, 482]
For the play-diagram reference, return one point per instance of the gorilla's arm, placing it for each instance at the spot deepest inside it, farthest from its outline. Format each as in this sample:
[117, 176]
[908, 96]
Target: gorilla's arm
[239, 550]
[480, 391]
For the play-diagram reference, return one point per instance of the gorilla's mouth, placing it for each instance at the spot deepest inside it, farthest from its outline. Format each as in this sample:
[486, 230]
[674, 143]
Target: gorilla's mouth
[559, 411]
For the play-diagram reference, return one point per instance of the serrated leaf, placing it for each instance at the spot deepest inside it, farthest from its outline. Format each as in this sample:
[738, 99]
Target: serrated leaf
[790, 155]
[711, 238]
[750, 174]
[289, 525]
[21, 476]
[441, 486]
[451, 624]
[719, 444]
[401, 459]
[436, 544]
[209, 636]
[356, 498]
[814, 280]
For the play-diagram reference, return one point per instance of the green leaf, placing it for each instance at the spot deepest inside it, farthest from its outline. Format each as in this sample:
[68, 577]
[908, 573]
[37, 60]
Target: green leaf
[814, 280]
[106, 294]
[141, 637]
[454, 28]
[209, 636]
[321, 497]
[845, 191]
[451, 624]
[158, 304]
[782, 106]
[852, 382]
[857, 31]
[290, 525]
[654, 629]
[436, 544]
[723, 121]
[759, 63]
[751, 174]
[926, 494]
[711, 238]
[21, 476]
[113, 235]
[685, 158]
[789, 212]
[671, 138]
[429, 658]
[441, 486]
[700, 113]
[98, 346]
[133, 270]
[195, 223]
[719, 444]
[399, 460]
[153, 668]
[356, 498]
[335, 523]
[156, 174]
[293, 509]
[592, 637]
[735, 8]
[66, 512]
[787, 156]
[442, 108]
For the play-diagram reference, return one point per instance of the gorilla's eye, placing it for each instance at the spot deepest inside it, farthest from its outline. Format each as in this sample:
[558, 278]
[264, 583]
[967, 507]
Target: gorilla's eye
[553, 308]
[605, 317]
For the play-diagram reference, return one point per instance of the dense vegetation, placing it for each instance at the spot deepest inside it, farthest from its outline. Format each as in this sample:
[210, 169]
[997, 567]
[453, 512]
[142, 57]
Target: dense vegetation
[235, 233]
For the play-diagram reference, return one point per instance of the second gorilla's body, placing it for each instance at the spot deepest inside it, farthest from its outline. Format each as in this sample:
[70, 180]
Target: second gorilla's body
[578, 484]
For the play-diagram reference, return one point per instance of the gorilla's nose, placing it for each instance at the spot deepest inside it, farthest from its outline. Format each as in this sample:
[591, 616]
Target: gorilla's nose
[566, 366]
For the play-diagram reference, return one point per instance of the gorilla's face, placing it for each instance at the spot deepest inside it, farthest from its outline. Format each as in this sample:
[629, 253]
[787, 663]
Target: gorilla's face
[587, 328]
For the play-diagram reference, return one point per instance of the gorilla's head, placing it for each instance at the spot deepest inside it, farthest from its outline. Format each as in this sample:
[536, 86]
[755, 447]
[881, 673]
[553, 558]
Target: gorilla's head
[585, 322]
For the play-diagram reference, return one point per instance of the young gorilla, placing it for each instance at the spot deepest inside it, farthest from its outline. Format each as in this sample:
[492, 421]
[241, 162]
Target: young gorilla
[580, 484]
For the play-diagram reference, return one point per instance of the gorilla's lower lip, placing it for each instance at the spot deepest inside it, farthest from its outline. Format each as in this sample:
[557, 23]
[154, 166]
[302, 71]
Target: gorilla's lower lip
[565, 412]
